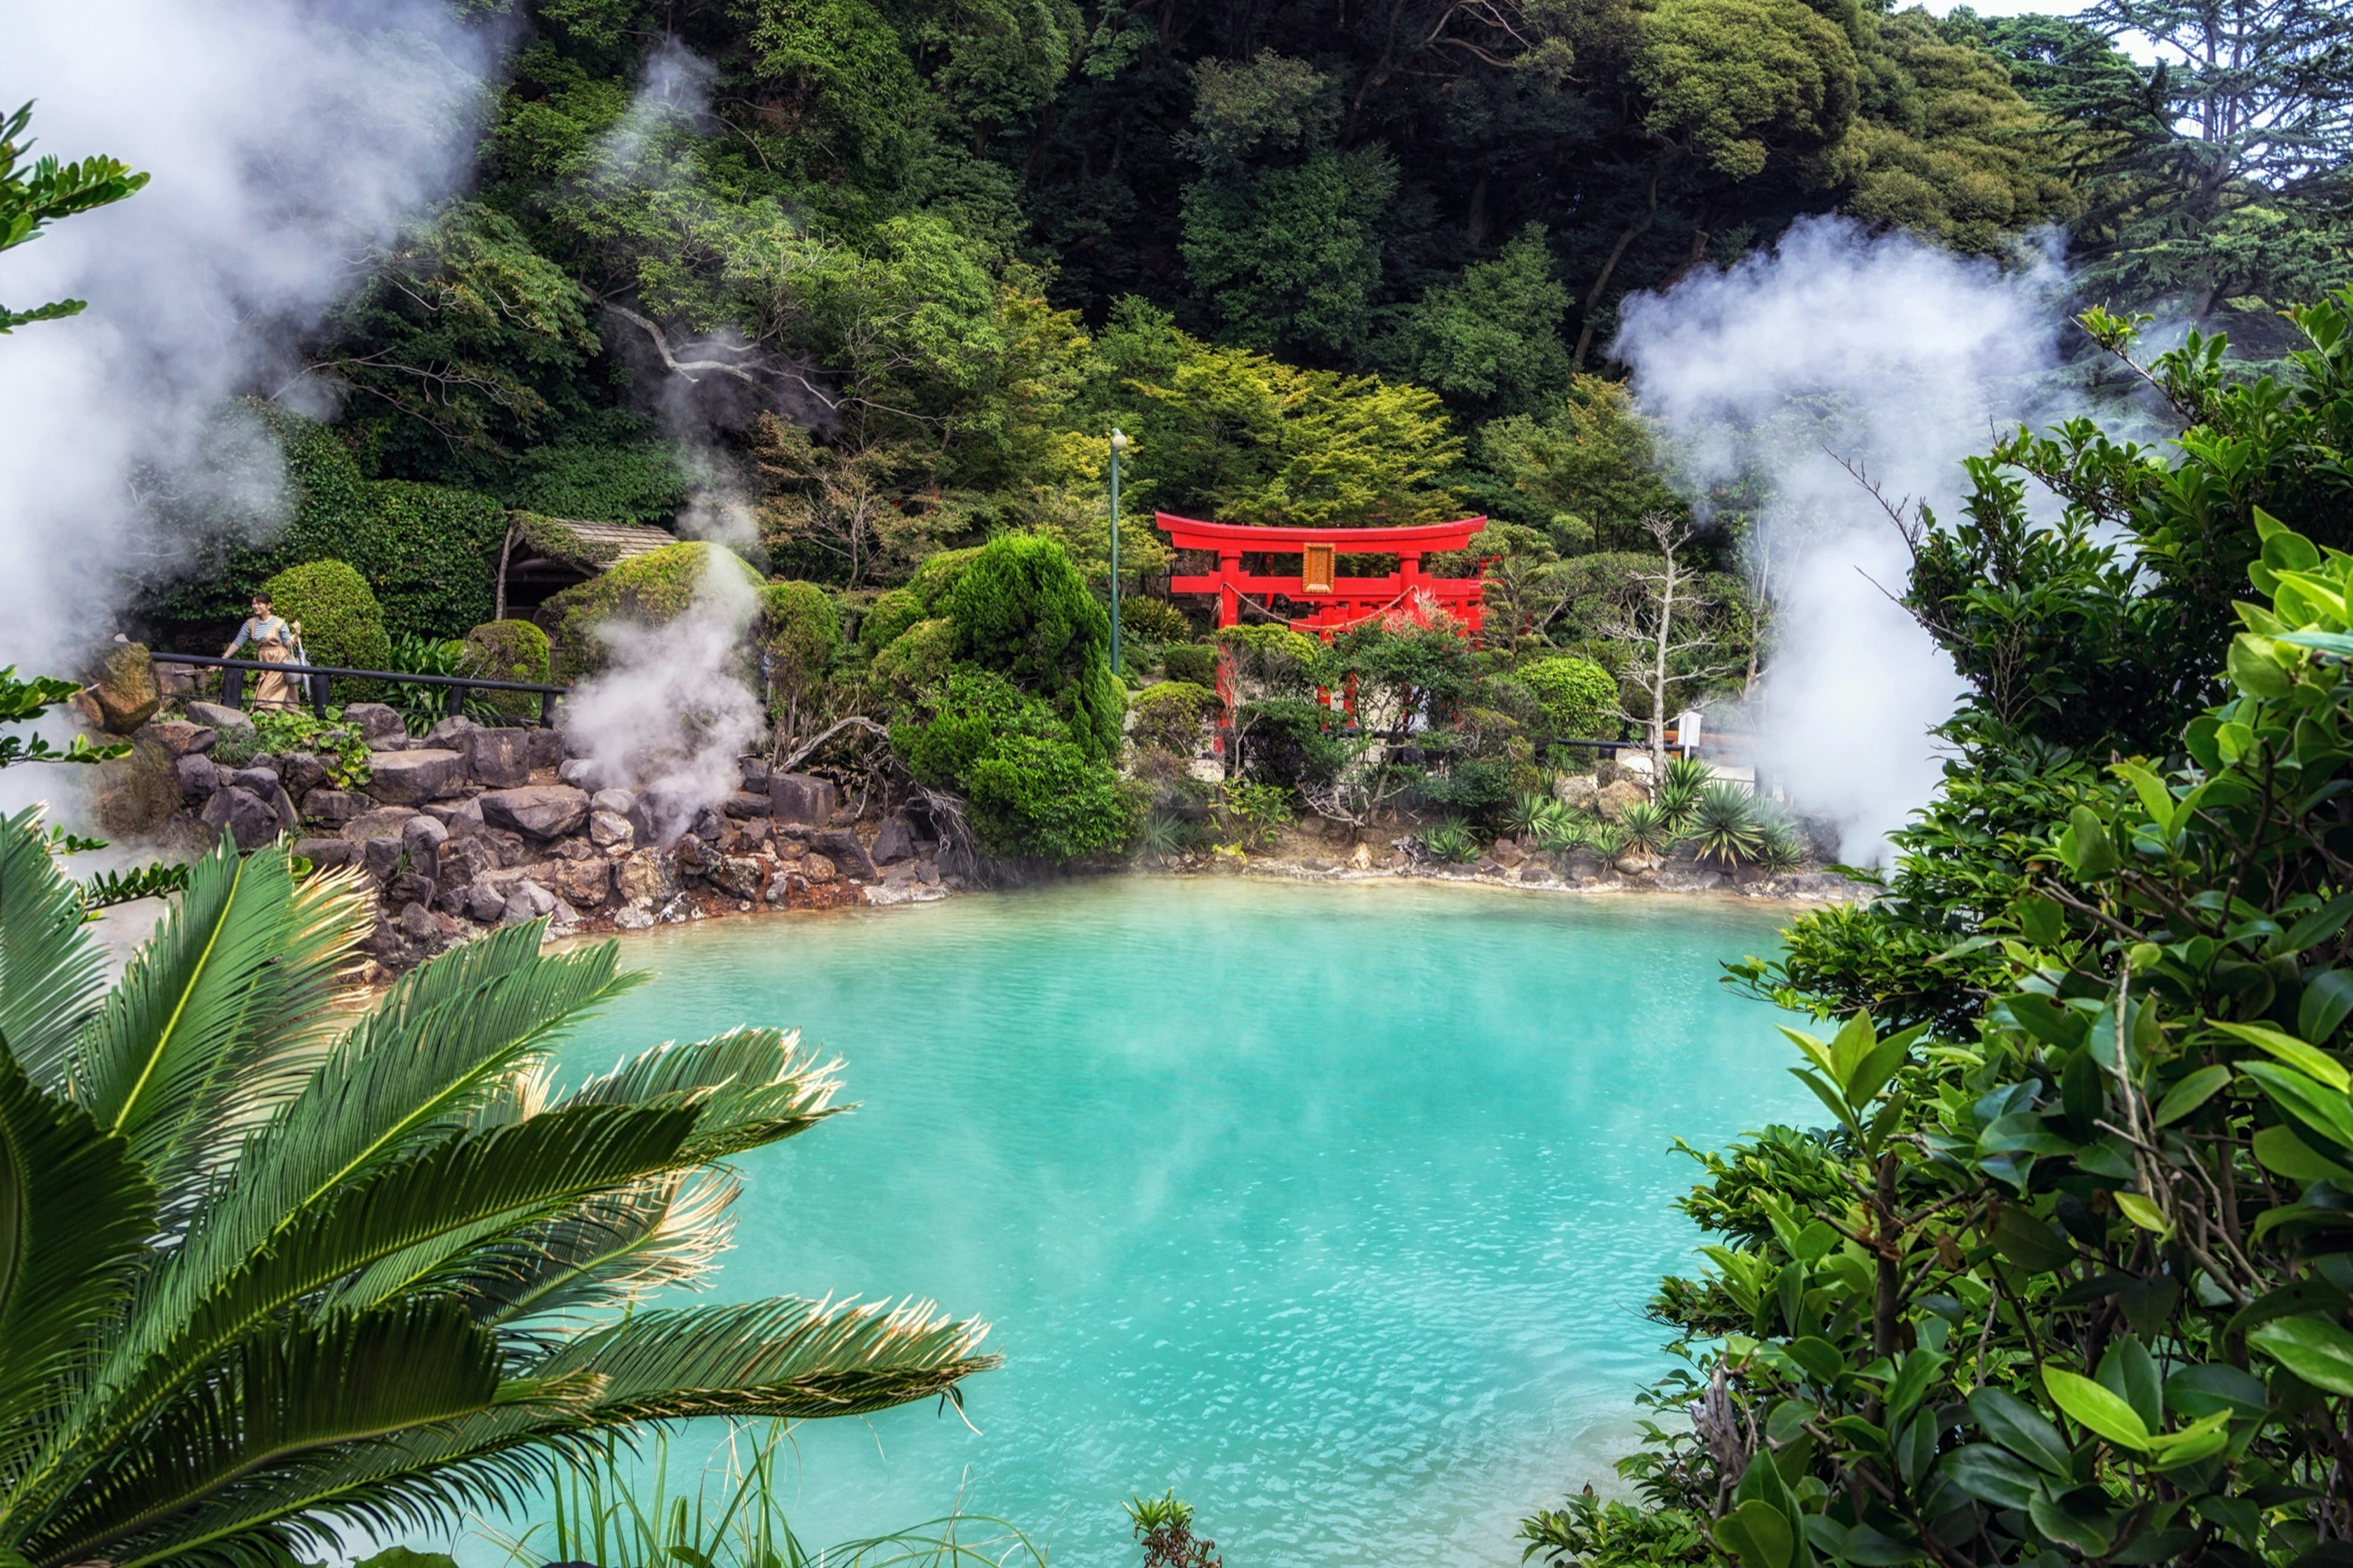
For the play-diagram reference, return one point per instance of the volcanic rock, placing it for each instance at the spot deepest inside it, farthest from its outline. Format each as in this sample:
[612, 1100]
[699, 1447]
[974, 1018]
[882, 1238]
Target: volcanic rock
[414, 777]
[536, 811]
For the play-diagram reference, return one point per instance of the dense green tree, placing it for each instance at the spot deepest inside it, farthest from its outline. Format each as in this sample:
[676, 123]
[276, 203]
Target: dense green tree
[1491, 341]
[2215, 177]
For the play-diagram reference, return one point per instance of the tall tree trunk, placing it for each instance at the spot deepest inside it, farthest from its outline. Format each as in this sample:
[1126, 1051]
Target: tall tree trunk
[1586, 306]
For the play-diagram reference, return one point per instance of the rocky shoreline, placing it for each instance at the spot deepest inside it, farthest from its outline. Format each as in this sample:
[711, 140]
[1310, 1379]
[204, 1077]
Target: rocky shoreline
[471, 826]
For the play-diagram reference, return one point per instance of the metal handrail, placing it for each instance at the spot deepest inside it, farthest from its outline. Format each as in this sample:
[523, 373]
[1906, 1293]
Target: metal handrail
[233, 683]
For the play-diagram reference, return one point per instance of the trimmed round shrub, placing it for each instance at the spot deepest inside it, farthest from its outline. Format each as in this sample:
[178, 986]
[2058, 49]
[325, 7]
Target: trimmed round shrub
[917, 660]
[937, 577]
[342, 623]
[1153, 620]
[508, 651]
[889, 614]
[1195, 664]
[650, 590]
[797, 632]
[1167, 716]
[1021, 609]
[1576, 696]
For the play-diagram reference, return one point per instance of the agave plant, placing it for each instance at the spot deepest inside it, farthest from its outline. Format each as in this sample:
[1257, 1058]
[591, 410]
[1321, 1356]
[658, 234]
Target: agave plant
[1606, 840]
[1450, 841]
[1780, 845]
[1680, 785]
[1723, 824]
[1648, 827]
[1563, 831]
[277, 1268]
[1532, 811]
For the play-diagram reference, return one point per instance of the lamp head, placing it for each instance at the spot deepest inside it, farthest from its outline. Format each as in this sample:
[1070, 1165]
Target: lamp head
[1119, 442]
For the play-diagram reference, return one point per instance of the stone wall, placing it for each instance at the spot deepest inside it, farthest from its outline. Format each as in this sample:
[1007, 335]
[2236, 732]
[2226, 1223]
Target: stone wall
[468, 827]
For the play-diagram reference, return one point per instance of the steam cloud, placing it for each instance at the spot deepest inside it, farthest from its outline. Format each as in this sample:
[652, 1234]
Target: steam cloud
[671, 712]
[1884, 353]
[286, 138]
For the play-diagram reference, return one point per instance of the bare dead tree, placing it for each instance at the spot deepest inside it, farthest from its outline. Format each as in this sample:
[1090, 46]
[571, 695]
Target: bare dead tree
[1665, 614]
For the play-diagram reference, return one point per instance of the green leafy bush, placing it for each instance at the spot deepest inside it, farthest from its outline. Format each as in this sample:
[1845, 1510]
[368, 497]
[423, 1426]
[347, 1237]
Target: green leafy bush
[1253, 815]
[341, 747]
[1196, 664]
[1030, 787]
[1021, 609]
[1167, 716]
[1577, 697]
[633, 481]
[429, 553]
[1681, 786]
[342, 623]
[797, 634]
[508, 650]
[934, 581]
[2069, 1278]
[650, 590]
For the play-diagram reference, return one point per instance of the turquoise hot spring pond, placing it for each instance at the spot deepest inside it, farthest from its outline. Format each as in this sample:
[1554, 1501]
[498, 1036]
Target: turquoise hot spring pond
[1333, 1207]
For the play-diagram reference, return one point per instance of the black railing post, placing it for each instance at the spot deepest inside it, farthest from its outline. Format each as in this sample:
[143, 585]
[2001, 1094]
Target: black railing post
[318, 684]
[547, 709]
[232, 688]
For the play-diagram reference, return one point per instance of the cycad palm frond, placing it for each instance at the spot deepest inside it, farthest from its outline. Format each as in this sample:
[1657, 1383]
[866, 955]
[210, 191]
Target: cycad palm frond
[268, 1269]
[52, 975]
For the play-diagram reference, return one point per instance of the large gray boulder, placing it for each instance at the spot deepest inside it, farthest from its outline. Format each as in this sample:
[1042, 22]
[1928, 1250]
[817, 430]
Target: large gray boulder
[383, 822]
[841, 847]
[327, 853]
[214, 717]
[380, 723]
[609, 830]
[423, 837]
[500, 758]
[123, 687]
[545, 746]
[179, 737]
[740, 875]
[198, 778]
[414, 777]
[334, 806]
[896, 842]
[245, 816]
[536, 811]
[648, 876]
[583, 884]
[450, 734]
[746, 803]
[527, 901]
[802, 798]
[301, 772]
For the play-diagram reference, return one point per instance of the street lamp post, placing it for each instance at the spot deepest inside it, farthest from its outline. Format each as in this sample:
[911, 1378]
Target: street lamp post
[1118, 444]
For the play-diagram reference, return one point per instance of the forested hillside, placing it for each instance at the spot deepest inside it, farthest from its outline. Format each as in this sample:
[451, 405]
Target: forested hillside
[904, 263]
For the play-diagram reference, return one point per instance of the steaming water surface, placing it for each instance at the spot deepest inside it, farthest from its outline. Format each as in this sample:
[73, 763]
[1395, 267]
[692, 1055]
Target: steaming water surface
[1332, 1207]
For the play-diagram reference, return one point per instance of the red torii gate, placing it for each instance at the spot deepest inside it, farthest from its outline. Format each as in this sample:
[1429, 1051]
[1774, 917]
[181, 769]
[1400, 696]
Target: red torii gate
[1340, 602]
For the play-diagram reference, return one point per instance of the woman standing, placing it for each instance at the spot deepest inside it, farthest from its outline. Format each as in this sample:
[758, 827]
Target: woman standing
[274, 641]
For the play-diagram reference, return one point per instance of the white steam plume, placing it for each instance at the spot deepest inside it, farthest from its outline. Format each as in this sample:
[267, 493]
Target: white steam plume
[1838, 347]
[672, 714]
[285, 139]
